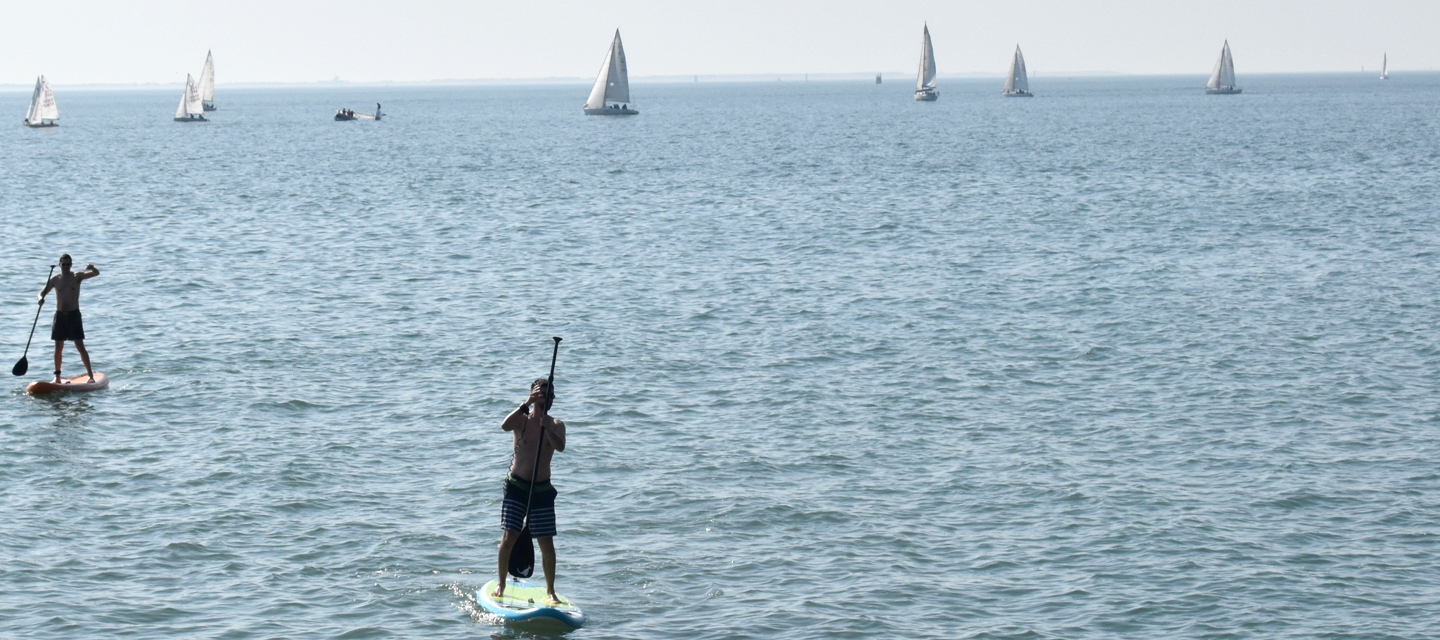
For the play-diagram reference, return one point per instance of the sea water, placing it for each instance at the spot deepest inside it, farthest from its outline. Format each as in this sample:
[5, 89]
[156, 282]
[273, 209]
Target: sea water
[1120, 360]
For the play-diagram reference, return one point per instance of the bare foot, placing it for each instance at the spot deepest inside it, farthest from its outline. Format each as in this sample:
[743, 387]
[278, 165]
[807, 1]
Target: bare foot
[552, 600]
[92, 377]
[58, 380]
[498, 593]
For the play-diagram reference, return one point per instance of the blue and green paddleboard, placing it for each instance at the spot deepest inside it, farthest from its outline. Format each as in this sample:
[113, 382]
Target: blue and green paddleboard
[524, 603]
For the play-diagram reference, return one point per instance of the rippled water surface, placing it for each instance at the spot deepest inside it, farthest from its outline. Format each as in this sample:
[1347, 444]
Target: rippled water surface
[1122, 360]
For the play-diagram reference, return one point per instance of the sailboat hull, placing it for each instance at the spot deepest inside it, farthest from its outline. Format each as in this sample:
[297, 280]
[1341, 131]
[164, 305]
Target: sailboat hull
[611, 112]
[42, 125]
[1223, 92]
[1017, 94]
[195, 119]
[209, 106]
[927, 96]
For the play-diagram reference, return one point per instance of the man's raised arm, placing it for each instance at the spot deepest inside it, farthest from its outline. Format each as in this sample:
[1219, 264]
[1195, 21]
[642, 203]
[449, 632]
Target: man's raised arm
[89, 272]
[516, 419]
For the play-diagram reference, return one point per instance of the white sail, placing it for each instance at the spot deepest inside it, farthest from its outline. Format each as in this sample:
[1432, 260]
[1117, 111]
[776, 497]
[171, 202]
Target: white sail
[193, 103]
[190, 104]
[1223, 77]
[612, 86]
[925, 79]
[1018, 82]
[42, 104]
[207, 79]
[1385, 67]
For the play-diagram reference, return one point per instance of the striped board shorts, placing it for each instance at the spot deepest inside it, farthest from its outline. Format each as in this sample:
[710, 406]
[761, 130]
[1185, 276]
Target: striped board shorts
[542, 507]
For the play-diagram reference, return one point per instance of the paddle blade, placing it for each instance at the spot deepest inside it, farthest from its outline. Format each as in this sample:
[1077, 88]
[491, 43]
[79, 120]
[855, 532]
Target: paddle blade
[522, 555]
[22, 366]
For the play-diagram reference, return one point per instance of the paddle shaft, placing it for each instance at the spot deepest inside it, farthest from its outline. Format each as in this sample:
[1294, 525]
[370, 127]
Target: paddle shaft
[42, 306]
[549, 400]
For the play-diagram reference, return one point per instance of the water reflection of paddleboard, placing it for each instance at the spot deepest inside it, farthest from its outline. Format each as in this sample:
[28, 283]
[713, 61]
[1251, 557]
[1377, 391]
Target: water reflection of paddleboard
[78, 383]
[524, 603]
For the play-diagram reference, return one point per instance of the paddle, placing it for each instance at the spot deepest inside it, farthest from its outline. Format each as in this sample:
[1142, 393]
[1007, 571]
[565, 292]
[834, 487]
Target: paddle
[24, 364]
[522, 555]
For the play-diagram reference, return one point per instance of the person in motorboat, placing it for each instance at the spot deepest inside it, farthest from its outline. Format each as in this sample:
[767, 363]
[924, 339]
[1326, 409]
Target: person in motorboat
[68, 324]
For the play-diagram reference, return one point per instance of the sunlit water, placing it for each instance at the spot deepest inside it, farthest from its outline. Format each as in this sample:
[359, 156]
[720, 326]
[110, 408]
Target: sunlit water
[1122, 360]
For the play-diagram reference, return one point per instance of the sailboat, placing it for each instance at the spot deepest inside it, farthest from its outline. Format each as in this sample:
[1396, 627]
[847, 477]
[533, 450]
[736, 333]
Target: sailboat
[925, 82]
[191, 108]
[1385, 67]
[1222, 79]
[43, 112]
[207, 83]
[1017, 84]
[611, 94]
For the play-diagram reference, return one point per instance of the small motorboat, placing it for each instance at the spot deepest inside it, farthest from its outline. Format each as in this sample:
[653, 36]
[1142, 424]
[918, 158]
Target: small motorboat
[344, 115]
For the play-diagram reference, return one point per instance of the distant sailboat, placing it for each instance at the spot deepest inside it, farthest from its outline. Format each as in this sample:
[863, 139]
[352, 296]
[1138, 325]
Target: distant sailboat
[191, 108]
[1385, 67]
[1222, 79]
[207, 83]
[877, 78]
[43, 112]
[1017, 84]
[611, 94]
[925, 81]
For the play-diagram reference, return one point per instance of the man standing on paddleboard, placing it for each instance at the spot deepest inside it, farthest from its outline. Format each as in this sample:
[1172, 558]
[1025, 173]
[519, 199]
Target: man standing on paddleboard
[67, 324]
[525, 425]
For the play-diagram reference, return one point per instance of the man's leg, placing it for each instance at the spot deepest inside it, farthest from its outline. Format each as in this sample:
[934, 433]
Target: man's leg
[84, 357]
[503, 562]
[547, 555]
[59, 352]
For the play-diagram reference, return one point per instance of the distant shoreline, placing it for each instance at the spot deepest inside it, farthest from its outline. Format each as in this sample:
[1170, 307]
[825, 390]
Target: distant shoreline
[901, 77]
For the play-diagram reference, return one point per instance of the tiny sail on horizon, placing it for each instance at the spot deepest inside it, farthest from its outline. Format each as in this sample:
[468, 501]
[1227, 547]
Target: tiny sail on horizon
[42, 112]
[925, 79]
[207, 83]
[1017, 83]
[191, 108]
[611, 94]
[1222, 79]
[1385, 67]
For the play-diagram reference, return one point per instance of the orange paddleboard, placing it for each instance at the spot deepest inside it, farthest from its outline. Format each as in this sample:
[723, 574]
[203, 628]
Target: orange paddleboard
[77, 383]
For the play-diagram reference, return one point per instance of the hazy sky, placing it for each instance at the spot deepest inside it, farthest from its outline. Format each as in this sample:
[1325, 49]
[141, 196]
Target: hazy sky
[104, 41]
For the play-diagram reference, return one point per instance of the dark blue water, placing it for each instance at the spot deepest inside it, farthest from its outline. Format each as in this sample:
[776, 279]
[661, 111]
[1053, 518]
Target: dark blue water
[1121, 360]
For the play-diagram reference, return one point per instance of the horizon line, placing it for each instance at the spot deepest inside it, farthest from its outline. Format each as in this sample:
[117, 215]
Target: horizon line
[659, 79]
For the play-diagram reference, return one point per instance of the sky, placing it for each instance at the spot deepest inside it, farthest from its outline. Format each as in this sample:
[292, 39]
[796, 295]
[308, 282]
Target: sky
[264, 41]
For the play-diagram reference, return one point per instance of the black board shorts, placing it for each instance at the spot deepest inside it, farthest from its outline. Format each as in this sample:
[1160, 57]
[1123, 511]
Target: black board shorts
[542, 507]
[67, 326]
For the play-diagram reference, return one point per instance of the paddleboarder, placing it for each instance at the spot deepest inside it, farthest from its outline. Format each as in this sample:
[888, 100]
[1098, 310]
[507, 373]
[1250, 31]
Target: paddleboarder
[68, 324]
[525, 426]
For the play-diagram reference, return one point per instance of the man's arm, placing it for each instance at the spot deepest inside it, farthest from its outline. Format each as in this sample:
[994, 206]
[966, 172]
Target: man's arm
[556, 434]
[89, 272]
[49, 284]
[516, 419]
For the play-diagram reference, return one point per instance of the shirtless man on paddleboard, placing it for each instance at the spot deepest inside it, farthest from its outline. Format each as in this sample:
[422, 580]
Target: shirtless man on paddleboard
[524, 425]
[67, 324]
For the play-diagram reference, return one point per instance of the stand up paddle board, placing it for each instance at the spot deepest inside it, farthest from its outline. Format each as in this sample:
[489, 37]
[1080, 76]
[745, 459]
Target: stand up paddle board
[524, 603]
[77, 383]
